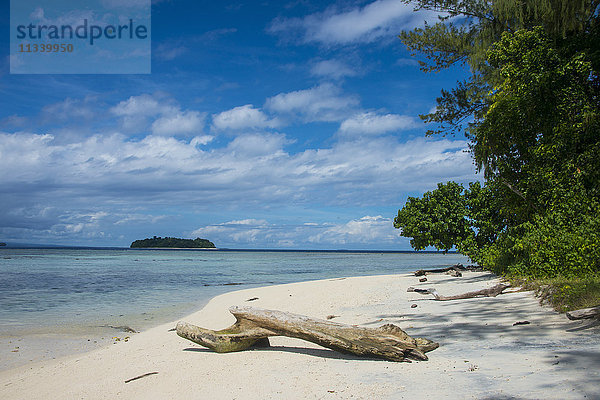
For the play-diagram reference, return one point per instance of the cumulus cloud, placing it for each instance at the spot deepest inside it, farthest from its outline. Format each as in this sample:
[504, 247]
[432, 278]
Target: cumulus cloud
[320, 103]
[70, 109]
[144, 105]
[263, 144]
[48, 185]
[381, 18]
[243, 117]
[181, 122]
[332, 69]
[159, 114]
[370, 123]
[363, 230]
[253, 167]
[247, 231]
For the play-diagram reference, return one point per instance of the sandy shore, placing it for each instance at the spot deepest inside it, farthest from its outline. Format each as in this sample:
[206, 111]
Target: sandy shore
[481, 354]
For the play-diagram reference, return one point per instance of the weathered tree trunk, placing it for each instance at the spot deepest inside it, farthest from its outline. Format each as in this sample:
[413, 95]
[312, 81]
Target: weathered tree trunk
[453, 270]
[489, 292]
[584, 313]
[254, 324]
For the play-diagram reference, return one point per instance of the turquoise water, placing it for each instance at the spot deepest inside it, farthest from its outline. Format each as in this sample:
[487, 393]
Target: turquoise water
[45, 289]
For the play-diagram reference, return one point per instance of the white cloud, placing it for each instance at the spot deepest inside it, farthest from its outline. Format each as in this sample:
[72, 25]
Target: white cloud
[370, 123]
[363, 230]
[139, 218]
[252, 167]
[143, 105]
[243, 117]
[332, 69]
[381, 18]
[246, 231]
[407, 62]
[158, 114]
[248, 222]
[70, 109]
[253, 145]
[320, 103]
[179, 123]
[249, 175]
[201, 140]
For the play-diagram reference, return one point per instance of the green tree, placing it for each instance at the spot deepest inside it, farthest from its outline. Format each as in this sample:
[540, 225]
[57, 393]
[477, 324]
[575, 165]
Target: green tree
[531, 113]
[453, 217]
[437, 219]
[171, 242]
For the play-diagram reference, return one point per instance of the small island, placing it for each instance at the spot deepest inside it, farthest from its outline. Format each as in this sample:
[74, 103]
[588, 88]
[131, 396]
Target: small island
[2, 244]
[170, 242]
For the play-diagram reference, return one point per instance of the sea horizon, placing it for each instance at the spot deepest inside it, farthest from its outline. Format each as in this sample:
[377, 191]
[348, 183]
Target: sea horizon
[13, 245]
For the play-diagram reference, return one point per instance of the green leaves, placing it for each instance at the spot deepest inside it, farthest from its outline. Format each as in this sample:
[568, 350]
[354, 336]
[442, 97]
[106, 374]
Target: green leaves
[531, 111]
[450, 216]
[438, 219]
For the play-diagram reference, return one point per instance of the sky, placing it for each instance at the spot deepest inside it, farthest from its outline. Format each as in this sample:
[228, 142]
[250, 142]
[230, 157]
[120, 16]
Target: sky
[263, 124]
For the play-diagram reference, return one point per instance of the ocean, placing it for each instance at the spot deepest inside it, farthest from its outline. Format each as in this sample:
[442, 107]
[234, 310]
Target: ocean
[92, 293]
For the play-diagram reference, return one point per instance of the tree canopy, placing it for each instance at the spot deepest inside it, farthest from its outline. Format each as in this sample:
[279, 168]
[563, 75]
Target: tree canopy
[171, 242]
[531, 113]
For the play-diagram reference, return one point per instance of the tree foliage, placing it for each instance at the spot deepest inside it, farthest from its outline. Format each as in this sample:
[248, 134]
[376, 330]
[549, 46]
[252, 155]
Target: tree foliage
[531, 113]
[438, 219]
[452, 216]
[171, 242]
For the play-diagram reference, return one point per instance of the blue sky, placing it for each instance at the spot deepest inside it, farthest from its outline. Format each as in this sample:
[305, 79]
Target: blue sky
[264, 124]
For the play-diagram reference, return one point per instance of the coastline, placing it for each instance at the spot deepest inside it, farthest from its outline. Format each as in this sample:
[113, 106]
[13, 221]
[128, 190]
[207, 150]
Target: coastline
[481, 355]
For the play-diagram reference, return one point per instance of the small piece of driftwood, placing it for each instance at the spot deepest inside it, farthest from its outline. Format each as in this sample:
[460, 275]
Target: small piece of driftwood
[584, 313]
[140, 376]
[489, 292]
[253, 324]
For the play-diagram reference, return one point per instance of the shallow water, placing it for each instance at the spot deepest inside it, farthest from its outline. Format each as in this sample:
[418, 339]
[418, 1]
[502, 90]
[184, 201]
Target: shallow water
[86, 292]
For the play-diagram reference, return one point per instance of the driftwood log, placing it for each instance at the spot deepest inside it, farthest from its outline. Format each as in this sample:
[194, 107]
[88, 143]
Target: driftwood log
[454, 270]
[254, 325]
[489, 292]
[584, 313]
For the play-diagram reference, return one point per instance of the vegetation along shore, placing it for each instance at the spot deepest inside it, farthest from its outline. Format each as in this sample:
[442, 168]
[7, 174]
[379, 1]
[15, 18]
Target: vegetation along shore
[531, 113]
[171, 242]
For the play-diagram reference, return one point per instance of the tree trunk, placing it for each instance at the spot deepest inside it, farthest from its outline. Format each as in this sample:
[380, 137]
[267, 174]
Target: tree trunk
[489, 292]
[254, 324]
[584, 313]
[454, 270]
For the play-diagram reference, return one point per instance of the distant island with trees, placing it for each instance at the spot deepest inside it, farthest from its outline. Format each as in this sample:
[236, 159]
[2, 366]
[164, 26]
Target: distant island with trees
[2, 244]
[170, 242]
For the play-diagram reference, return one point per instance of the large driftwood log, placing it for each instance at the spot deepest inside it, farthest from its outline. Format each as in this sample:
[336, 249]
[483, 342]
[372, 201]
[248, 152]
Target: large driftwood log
[489, 292]
[454, 270]
[584, 313]
[254, 324]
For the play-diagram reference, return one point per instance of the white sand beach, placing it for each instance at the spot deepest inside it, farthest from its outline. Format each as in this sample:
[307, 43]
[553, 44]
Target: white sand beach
[482, 355]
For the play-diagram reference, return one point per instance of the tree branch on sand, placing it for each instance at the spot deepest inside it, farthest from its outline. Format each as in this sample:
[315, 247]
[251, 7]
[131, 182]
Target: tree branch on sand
[584, 313]
[254, 325]
[489, 292]
[454, 270]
